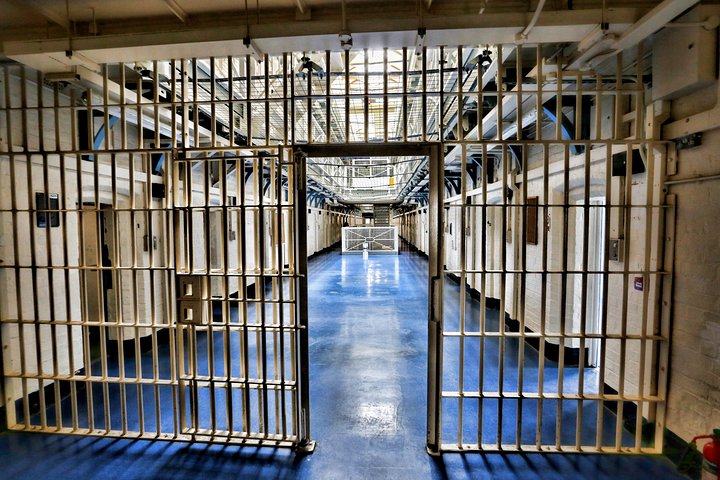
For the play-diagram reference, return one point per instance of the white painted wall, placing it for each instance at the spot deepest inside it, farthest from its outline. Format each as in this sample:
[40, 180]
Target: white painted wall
[324, 228]
[694, 398]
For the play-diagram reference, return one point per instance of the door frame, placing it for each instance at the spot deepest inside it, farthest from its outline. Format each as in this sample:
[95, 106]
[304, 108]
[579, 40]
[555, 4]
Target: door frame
[436, 166]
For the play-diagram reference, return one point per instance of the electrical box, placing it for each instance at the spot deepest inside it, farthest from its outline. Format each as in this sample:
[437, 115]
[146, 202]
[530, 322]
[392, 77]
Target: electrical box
[684, 60]
[615, 249]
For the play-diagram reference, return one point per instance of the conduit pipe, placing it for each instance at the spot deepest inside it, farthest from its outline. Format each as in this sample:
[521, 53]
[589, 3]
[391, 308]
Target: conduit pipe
[301, 6]
[700, 122]
[177, 10]
[693, 180]
[522, 36]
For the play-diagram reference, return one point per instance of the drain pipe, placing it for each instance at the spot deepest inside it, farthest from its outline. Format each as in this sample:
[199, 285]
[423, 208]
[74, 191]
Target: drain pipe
[523, 36]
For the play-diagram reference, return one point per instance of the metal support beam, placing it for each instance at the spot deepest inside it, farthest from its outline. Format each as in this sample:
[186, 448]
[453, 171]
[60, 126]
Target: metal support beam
[397, 23]
[42, 10]
[366, 149]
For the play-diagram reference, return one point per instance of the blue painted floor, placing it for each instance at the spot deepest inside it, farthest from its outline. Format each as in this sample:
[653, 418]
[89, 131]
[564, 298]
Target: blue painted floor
[368, 347]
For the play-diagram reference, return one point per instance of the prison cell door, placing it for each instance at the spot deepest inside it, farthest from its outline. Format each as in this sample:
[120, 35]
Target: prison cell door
[559, 345]
[241, 287]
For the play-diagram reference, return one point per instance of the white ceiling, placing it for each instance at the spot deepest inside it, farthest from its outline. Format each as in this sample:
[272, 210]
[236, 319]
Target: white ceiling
[37, 33]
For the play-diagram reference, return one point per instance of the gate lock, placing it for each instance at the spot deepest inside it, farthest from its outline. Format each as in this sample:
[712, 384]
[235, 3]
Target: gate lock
[193, 300]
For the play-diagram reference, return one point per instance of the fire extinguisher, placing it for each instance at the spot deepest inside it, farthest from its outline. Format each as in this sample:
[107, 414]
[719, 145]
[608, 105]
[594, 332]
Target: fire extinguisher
[711, 455]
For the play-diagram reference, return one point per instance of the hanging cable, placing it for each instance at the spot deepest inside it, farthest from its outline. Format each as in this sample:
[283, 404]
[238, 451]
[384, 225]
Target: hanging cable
[344, 17]
[345, 36]
[68, 52]
[247, 20]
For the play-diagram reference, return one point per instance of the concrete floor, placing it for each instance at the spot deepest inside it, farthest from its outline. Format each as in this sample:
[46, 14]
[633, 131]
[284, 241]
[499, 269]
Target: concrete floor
[368, 347]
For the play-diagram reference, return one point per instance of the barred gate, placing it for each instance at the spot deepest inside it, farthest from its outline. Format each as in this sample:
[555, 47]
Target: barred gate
[110, 299]
[148, 292]
[372, 239]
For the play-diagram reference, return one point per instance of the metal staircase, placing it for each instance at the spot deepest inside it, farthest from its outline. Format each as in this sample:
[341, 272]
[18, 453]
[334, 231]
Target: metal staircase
[382, 215]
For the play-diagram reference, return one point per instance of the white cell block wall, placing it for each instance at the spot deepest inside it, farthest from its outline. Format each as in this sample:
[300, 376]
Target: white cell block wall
[694, 398]
[324, 228]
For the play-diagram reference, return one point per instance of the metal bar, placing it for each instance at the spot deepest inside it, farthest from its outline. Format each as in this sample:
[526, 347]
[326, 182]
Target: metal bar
[69, 331]
[347, 96]
[583, 289]
[208, 220]
[300, 195]
[483, 288]
[242, 291]
[260, 288]
[503, 289]
[32, 244]
[49, 259]
[385, 97]
[563, 298]
[8, 391]
[648, 249]
[366, 149]
[366, 100]
[280, 225]
[328, 109]
[435, 307]
[626, 216]
[521, 239]
[405, 94]
[605, 304]
[152, 262]
[423, 98]
[248, 104]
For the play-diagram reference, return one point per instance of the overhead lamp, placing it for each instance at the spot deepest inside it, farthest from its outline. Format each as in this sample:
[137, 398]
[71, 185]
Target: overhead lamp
[252, 49]
[307, 67]
[346, 41]
[484, 60]
[420, 40]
